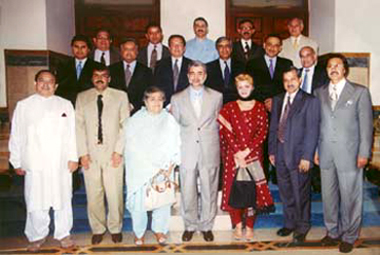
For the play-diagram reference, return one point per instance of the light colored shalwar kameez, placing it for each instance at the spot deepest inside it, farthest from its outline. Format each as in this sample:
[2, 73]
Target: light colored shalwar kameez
[42, 141]
[152, 142]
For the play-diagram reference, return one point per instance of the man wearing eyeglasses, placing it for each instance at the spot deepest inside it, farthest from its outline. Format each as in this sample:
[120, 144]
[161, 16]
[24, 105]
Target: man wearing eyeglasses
[103, 51]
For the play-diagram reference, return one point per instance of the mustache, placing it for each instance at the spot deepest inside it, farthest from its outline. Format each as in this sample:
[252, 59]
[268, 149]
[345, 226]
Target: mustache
[99, 81]
[246, 33]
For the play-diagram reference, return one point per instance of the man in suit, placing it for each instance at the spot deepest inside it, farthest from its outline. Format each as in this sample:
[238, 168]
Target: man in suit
[100, 113]
[171, 73]
[74, 75]
[344, 149]
[201, 48]
[131, 76]
[313, 75]
[104, 53]
[221, 73]
[155, 50]
[293, 137]
[292, 45]
[196, 109]
[245, 49]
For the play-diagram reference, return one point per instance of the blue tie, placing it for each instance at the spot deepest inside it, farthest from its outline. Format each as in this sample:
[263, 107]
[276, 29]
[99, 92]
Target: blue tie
[271, 69]
[79, 69]
[226, 75]
[305, 84]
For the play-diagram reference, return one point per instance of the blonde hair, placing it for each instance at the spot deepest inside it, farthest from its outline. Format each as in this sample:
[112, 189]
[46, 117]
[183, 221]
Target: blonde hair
[244, 77]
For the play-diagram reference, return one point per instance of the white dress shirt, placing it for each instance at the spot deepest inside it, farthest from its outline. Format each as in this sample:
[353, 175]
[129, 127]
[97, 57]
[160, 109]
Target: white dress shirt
[98, 56]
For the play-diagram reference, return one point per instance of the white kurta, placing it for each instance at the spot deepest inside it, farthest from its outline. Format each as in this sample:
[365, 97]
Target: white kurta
[42, 142]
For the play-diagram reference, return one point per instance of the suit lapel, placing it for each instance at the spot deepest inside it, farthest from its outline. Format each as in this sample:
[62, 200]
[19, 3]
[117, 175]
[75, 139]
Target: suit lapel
[265, 67]
[188, 102]
[297, 103]
[325, 97]
[205, 101]
[346, 94]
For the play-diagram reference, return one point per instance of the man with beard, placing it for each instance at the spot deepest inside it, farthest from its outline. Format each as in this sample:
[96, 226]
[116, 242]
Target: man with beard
[100, 113]
[201, 48]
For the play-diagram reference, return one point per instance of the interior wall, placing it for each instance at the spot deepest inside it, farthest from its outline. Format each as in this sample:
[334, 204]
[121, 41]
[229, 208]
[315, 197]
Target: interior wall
[177, 17]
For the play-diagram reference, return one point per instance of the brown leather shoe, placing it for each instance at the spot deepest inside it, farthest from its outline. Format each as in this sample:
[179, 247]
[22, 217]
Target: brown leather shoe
[36, 245]
[97, 238]
[117, 238]
[187, 235]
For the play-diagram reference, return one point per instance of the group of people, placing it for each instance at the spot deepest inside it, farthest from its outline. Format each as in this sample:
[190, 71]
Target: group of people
[141, 113]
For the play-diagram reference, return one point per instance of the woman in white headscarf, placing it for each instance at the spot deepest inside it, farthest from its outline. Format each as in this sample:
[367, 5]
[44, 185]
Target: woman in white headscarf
[152, 144]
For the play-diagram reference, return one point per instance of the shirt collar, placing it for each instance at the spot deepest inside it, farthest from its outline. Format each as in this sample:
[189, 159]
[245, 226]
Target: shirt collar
[221, 61]
[292, 96]
[132, 65]
[151, 46]
[179, 61]
[83, 61]
[196, 93]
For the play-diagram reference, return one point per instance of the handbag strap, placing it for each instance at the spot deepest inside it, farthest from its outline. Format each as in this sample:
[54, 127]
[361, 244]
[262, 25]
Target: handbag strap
[246, 169]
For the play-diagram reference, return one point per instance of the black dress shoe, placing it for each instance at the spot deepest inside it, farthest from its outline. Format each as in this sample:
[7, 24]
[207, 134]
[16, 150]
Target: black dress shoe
[345, 247]
[117, 238]
[97, 238]
[284, 231]
[208, 236]
[187, 235]
[329, 241]
[298, 238]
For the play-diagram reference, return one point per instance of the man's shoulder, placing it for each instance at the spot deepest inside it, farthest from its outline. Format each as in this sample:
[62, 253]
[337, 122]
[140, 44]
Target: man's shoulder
[143, 68]
[180, 94]
[284, 61]
[116, 93]
[213, 92]
[213, 64]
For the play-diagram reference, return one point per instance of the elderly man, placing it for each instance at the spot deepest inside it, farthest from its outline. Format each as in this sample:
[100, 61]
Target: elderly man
[104, 53]
[245, 49]
[42, 148]
[292, 45]
[344, 149]
[201, 48]
[100, 113]
[293, 137]
[155, 50]
[171, 73]
[221, 73]
[196, 109]
[129, 75]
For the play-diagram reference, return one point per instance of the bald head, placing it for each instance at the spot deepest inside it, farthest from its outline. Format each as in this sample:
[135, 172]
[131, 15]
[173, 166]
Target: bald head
[308, 57]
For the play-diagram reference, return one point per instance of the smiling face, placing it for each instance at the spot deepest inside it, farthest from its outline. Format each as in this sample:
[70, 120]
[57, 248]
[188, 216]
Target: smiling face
[244, 88]
[100, 79]
[308, 57]
[197, 76]
[45, 85]
[335, 70]
[224, 49]
[246, 30]
[80, 50]
[272, 46]
[295, 27]
[176, 47]
[154, 35]
[102, 41]
[291, 81]
[200, 29]
[155, 102]
[129, 51]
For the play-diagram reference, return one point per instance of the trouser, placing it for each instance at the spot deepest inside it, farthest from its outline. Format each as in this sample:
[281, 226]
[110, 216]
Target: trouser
[342, 196]
[160, 221]
[237, 215]
[196, 218]
[101, 180]
[37, 224]
[295, 189]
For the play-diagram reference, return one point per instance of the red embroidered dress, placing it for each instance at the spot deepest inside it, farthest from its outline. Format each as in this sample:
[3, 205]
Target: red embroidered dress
[239, 130]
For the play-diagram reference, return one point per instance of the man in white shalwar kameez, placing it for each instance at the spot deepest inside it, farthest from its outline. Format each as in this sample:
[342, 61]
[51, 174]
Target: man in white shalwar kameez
[42, 147]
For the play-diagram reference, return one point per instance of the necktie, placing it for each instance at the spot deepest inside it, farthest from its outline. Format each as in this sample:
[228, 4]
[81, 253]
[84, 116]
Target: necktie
[282, 125]
[128, 75]
[175, 74]
[102, 59]
[100, 110]
[305, 83]
[295, 43]
[334, 96]
[153, 58]
[271, 69]
[226, 75]
[79, 69]
[246, 50]
[197, 104]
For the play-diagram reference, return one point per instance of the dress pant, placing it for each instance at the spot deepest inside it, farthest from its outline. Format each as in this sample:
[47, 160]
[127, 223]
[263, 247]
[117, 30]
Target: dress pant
[199, 216]
[104, 181]
[37, 223]
[294, 190]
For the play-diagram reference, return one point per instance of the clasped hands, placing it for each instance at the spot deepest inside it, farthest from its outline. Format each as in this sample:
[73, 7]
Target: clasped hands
[240, 156]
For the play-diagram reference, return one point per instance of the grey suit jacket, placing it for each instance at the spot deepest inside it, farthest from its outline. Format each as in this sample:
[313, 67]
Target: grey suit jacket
[200, 136]
[114, 55]
[348, 128]
[115, 111]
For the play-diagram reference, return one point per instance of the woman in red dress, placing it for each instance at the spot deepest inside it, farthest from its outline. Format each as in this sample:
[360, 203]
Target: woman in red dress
[243, 129]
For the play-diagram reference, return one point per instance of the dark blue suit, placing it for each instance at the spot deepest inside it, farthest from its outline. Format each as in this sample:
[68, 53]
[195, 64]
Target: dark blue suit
[300, 141]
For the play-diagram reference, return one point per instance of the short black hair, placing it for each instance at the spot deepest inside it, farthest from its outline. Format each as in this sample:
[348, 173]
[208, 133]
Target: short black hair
[344, 60]
[153, 25]
[101, 68]
[221, 39]
[291, 69]
[273, 35]
[102, 29]
[81, 38]
[128, 39]
[44, 71]
[177, 36]
[201, 19]
[241, 22]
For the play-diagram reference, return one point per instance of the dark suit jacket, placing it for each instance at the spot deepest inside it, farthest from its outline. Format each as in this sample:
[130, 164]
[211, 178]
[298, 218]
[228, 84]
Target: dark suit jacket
[114, 55]
[265, 86]
[68, 85]
[142, 57]
[238, 52]
[215, 79]
[319, 77]
[301, 131]
[163, 77]
[141, 79]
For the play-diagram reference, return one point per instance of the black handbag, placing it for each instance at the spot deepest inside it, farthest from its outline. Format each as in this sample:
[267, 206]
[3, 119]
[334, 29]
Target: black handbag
[243, 190]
